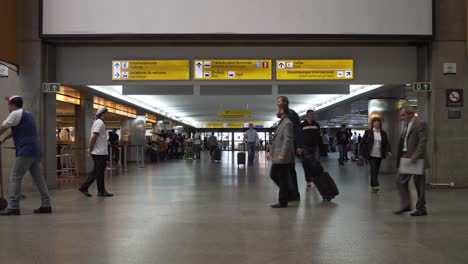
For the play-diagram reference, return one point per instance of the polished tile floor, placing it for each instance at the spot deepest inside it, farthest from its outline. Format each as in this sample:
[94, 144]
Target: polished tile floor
[198, 212]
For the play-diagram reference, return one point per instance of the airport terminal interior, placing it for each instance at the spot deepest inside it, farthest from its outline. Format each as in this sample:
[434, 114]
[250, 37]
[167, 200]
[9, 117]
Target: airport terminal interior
[189, 111]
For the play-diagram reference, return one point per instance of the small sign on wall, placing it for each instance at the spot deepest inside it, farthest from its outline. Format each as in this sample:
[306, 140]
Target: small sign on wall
[454, 97]
[454, 114]
[450, 68]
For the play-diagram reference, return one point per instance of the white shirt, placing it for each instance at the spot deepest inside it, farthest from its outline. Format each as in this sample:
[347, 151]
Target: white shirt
[196, 139]
[100, 148]
[405, 148]
[376, 151]
[13, 119]
[251, 136]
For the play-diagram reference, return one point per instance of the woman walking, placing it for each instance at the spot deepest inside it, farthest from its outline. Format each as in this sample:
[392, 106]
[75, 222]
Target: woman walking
[375, 147]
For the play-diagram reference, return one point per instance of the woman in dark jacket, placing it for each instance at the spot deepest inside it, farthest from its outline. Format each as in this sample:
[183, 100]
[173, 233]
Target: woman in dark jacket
[375, 147]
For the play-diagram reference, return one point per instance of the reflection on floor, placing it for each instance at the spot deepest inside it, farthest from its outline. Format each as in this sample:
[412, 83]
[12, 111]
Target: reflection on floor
[199, 212]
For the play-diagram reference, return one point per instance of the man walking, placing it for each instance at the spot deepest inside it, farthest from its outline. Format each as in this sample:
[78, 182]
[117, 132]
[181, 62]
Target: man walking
[312, 141]
[28, 156]
[98, 150]
[251, 139]
[342, 140]
[282, 155]
[413, 146]
[294, 194]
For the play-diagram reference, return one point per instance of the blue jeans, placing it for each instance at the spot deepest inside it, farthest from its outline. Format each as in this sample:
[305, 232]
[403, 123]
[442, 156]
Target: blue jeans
[343, 150]
[21, 166]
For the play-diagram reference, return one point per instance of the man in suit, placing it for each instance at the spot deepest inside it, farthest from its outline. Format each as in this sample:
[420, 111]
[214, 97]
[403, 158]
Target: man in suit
[282, 155]
[413, 146]
[294, 194]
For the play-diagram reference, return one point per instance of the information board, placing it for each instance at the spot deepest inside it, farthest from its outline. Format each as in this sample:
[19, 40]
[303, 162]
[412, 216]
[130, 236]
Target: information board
[232, 70]
[300, 70]
[150, 70]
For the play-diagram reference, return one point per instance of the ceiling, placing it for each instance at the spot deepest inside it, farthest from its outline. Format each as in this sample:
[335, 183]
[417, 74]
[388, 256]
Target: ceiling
[197, 110]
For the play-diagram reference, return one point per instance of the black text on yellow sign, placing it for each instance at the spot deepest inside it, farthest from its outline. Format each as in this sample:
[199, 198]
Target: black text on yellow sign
[314, 70]
[232, 70]
[150, 70]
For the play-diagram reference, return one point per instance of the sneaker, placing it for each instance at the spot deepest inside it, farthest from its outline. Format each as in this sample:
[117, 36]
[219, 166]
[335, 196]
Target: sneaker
[309, 185]
[43, 210]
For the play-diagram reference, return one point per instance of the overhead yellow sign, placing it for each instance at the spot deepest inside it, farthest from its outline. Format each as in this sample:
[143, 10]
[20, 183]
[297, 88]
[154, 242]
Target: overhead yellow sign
[234, 114]
[314, 70]
[232, 70]
[214, 125]
[150, 70]
[233, 125]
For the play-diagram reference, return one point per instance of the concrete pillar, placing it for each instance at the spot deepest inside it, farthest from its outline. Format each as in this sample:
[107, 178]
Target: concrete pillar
[83, 122]
[448, 140]
[387, 111]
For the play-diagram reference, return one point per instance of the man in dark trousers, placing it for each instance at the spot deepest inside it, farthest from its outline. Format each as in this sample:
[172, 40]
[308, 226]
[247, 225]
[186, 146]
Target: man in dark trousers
[28, 155]
[342, 140]
[98, 150]
[294, 194]
[312, 142]
[412, 145]
[282, 154]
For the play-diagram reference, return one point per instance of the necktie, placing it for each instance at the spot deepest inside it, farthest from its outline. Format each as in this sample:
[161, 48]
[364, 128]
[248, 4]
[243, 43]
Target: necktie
[405, 130]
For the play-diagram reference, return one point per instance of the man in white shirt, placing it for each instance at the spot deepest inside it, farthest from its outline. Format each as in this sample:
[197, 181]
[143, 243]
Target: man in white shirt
[98, 150]
[251, 139]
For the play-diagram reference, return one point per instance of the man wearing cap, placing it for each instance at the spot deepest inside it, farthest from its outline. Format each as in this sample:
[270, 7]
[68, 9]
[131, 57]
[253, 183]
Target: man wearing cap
[28, 155]
[98, 150]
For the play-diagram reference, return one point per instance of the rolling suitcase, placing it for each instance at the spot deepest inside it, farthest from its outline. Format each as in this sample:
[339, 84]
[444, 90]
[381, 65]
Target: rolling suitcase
[326, 186]
[312, 167]
[217, 155]
[241, 158]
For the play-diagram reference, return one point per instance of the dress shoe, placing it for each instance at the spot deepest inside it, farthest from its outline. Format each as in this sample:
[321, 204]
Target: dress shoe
[85, 192]
[43, 210]
[278, 206]
[375, 190]
[10, 212]
[418, 213]
[402, 211]
[105, 194]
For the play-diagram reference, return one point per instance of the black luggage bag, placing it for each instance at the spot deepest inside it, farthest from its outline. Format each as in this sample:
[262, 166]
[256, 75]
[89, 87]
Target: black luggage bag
[326, 186]
[241, 158]
[217, 155]
[322, 180]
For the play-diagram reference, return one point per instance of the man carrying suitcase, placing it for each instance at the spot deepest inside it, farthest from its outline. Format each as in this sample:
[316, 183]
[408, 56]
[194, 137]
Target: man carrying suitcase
[251, 138]
[312, 140]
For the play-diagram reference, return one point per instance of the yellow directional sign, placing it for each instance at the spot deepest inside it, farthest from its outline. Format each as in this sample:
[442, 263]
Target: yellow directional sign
[232, 70]
[314, 69]
[214, 125]
[233, 125]
[234, 114]
[150, 70]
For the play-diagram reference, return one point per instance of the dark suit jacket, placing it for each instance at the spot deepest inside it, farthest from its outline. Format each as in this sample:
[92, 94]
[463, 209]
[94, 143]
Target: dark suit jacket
[298, 137]
[368, 142]
[416, 142]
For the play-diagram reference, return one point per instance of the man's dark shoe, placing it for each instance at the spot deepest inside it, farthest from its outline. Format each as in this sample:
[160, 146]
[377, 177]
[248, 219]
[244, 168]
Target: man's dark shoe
[43, 210]
[10, 212]
[279, 206]
[402, 211]
[418, 213]
[105, 194]
[294, 198]
[85, 192]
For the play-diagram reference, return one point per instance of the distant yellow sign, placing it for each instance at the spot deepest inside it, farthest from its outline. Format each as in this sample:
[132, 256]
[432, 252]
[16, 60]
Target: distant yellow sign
[234, 114]
[214, 125]
[232, 70]
[150, 70]
[314, 70]
[233, 125]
